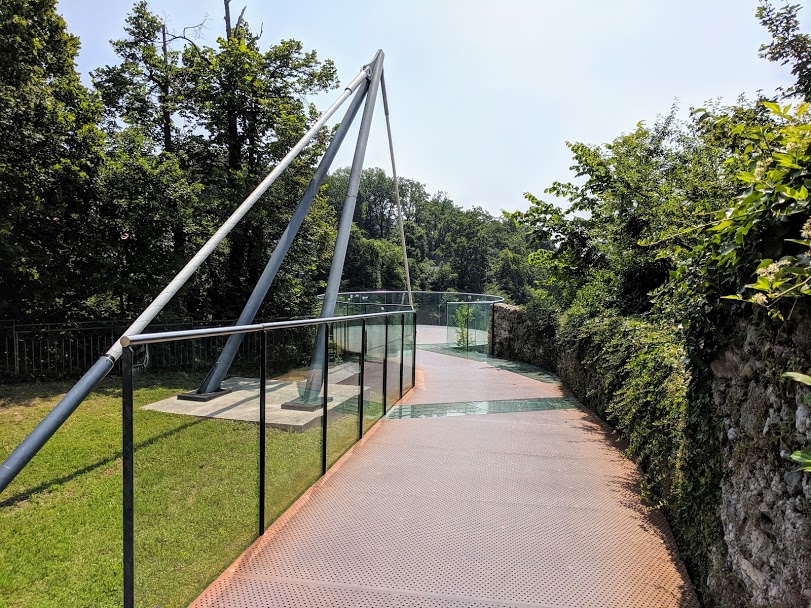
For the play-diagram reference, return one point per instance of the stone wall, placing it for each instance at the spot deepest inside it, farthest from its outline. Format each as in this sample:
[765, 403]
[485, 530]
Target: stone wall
[764, 498]
[760, 554]
[518, 338]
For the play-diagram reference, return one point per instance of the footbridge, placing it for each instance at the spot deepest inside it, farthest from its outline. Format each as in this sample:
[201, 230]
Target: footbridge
[429, 473]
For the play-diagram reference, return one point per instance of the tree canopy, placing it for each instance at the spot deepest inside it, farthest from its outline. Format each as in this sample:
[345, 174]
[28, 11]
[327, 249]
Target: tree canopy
[107, 191]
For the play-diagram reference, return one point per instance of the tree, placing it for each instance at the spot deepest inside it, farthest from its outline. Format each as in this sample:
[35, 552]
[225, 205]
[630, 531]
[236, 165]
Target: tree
[244, 111]
[448, 248]
[376, 207]
[789, 46]
[509, 273]
[50, 152]
[638, 193]
[198, 127]
[249, 102]
[142, 89]
[150, 228]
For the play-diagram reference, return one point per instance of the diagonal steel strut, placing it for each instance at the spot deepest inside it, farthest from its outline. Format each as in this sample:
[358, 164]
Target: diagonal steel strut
[217, 374]
[314, 380]
[28, 448]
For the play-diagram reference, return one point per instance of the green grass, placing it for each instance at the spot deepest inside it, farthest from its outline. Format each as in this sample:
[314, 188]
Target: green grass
[195, 495]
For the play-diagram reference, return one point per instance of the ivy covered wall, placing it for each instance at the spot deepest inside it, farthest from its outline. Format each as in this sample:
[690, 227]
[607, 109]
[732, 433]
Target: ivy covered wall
[714, 445]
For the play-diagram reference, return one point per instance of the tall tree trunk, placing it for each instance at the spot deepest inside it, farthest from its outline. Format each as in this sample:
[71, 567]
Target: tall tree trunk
[166, 115]
[253, 152]
[227, 19]
[234, 147]
[233, 143]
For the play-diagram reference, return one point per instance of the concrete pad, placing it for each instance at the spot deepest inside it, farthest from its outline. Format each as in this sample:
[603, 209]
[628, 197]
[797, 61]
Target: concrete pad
[242, 403]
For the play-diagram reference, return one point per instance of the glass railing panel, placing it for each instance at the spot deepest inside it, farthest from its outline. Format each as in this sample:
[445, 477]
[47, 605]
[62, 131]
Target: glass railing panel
[433, 309]
[196, 472]
[430, 308]
[373, 372]
[343, 388]
[293, 412]
[479, 325]
[468, 326]
[393, 359]
[408, 354]
[457, 325]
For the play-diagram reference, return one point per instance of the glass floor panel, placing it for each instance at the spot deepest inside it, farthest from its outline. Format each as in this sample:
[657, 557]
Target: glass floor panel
[473, 408]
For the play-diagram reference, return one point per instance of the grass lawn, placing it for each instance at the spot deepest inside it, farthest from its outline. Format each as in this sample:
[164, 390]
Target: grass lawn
[196, 493]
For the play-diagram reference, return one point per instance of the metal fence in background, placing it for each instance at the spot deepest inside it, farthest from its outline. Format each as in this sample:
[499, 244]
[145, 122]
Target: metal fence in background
[56, 351]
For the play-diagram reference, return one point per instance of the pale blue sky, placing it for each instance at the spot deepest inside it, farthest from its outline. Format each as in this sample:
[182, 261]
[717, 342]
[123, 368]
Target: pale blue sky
[484, 95]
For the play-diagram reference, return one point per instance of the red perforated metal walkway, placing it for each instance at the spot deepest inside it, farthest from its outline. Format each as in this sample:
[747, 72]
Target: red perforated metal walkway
[531, 506]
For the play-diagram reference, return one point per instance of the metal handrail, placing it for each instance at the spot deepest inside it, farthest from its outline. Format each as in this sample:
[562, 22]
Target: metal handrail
[491, 298]
[211, 332]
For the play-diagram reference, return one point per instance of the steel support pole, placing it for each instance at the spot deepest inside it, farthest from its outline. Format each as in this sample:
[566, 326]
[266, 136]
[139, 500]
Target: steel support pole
[217, 374]
[348, 212]
[345, 225]
[24, 452]
[174, 286]
[396, 189]
[402, 352]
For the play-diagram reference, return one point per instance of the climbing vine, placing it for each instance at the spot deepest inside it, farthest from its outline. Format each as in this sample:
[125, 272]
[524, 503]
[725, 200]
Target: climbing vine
[766, 232]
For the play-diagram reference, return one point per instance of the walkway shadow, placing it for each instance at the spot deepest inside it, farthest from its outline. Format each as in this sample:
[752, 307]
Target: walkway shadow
[627, 487]
[47, 485]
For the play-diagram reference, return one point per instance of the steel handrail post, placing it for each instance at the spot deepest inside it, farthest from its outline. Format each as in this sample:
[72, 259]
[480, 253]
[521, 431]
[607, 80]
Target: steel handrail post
[262, 429]
[413, 349]
[492, 329]
[467, 328]
[16, 349]
[385, 362]
[324, 374]
[402, 351]
[127, 451]
[361, 376]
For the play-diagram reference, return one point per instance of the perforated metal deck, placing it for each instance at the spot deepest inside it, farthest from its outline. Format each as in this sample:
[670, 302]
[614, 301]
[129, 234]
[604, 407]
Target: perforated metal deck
[530, 508]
